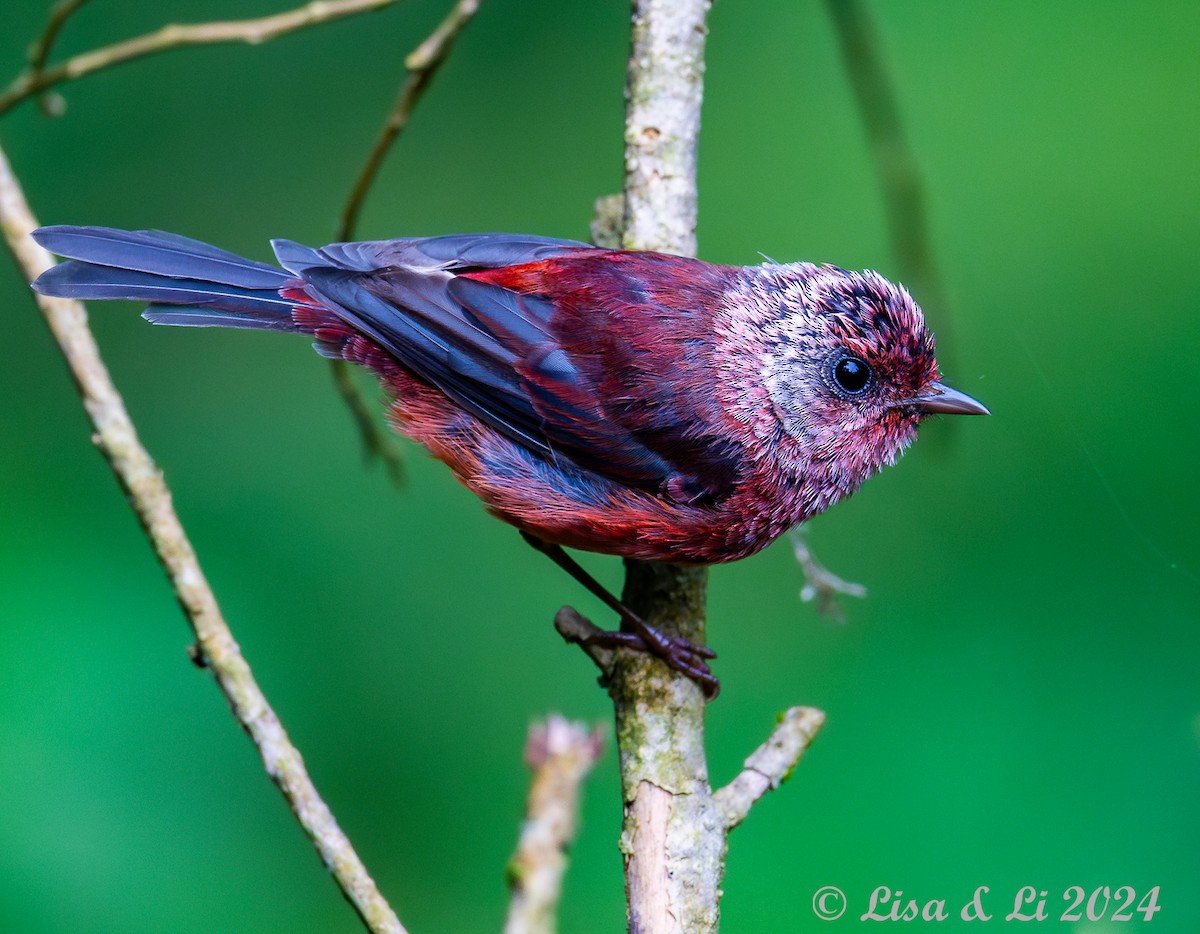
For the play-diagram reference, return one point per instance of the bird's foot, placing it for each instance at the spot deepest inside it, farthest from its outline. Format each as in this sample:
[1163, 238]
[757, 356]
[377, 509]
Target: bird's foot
[676, 653]
[680, 655]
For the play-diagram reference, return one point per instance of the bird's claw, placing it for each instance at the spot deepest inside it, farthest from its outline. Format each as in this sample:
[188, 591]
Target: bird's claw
[676, 653]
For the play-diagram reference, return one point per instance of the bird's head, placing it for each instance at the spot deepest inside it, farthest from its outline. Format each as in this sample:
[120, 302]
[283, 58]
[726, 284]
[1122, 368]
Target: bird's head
[847, 365]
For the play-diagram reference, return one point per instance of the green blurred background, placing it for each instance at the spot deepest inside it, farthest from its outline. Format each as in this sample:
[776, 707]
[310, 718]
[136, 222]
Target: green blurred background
[1017, 701]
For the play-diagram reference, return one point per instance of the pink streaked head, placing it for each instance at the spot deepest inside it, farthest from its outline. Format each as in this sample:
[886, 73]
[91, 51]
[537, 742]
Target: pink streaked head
[846, 363]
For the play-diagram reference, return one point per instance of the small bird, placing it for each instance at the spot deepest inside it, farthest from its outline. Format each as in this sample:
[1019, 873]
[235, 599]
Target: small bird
[631, 403]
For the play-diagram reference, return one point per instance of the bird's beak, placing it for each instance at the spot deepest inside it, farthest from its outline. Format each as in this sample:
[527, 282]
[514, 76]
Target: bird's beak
[942, 399]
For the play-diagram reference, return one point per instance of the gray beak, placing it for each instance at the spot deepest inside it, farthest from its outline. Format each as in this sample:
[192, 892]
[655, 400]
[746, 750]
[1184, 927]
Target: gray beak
[947, 401]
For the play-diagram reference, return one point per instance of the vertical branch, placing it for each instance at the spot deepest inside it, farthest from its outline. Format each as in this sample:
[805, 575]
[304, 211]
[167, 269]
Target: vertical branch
[673, 834]
[664, 88]
[672, 838]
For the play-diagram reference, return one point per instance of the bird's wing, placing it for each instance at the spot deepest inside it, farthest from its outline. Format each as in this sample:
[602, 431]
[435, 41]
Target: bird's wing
[567, 350]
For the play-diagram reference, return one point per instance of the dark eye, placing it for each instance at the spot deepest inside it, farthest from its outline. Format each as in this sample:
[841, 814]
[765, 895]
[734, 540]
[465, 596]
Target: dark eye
[852, 375]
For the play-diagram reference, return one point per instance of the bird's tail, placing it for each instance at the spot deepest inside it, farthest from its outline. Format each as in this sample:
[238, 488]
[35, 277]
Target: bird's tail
[186, 282]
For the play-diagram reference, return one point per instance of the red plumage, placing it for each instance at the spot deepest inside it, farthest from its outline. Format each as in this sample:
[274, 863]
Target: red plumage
[638, 404]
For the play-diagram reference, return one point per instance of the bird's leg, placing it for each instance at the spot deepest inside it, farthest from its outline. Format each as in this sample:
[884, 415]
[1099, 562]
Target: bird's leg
[679, 654]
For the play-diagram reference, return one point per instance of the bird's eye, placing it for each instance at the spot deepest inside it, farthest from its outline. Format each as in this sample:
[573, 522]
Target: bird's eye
[852, 375]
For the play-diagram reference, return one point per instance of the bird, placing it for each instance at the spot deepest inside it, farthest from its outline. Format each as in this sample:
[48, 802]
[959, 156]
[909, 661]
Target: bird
[631, 403]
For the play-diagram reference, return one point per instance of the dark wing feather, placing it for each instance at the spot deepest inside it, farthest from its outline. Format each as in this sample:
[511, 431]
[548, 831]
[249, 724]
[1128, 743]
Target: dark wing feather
[477, 374]
[454, 252]
[491, 251]
[572, 373]
[156, 252]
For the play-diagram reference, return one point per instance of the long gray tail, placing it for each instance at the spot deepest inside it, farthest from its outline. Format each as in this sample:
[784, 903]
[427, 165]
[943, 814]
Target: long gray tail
[185, 281]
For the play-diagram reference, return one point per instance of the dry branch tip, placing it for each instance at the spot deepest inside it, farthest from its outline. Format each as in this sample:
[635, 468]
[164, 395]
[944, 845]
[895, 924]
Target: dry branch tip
[771, 764]
[560, 754]
[577, 629]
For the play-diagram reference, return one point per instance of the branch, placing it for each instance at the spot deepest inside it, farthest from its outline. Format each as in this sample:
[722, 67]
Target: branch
[39, 52]
[577, 629]
[376, 441]
[820, 583]
[422, 64]
[672, 837]
[674, 833]
[608, 221]
[904, 202]
[664, 88]
[771, 764]
[150, 499]
[36, 79]
[560, 755]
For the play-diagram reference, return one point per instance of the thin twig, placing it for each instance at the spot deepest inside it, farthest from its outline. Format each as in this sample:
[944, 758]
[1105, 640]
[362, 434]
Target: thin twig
[820, 583]
[904, 201]
[770, 765]
[422, 64]
[34, 80]
[150, 499]
[560, 754]
[376, 442]
[39, 52]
